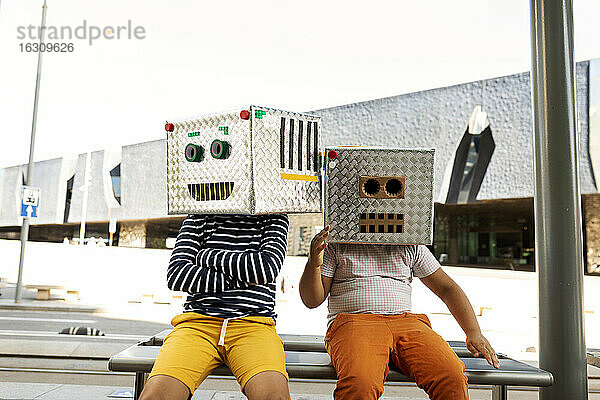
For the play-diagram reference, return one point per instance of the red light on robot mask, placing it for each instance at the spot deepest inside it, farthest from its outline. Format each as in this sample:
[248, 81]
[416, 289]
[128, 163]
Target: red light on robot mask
[332, 154]
[169, 127]
[245, 114]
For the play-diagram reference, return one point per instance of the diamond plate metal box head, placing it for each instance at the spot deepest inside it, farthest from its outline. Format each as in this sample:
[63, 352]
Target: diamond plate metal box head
[379, 195]
[253, 160]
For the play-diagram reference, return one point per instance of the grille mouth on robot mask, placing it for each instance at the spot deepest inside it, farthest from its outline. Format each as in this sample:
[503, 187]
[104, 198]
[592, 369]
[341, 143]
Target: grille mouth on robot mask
[380, 223]
[210, 191]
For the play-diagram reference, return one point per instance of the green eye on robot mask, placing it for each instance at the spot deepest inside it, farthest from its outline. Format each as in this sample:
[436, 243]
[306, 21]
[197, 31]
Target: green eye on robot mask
[193, 153]
[219, 149]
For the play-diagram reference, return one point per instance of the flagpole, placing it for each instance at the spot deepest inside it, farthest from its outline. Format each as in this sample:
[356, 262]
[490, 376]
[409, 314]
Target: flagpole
[29, 179]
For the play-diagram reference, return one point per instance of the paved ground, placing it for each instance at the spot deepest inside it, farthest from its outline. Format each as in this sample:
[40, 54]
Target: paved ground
[39, 391]
[56, 314]
[60, 392]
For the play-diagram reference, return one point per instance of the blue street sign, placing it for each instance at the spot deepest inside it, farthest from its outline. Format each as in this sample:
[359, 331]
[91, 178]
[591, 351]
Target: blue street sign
[30, 201]
[28, 211]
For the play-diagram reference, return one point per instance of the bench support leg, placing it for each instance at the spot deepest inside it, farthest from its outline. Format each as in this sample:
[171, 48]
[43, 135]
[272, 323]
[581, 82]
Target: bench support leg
[499, 392]
[140, 381]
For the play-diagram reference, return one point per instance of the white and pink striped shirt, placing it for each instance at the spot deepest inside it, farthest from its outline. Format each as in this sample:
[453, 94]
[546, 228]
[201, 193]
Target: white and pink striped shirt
[372, 278]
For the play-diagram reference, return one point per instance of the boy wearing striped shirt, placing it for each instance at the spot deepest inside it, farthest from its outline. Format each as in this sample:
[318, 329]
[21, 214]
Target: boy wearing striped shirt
[370, 323]
[228, 265]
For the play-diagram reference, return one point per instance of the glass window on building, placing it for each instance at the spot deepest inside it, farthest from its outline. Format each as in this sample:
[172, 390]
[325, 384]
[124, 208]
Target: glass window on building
[115, 176]
[489, 234]
[68, 197]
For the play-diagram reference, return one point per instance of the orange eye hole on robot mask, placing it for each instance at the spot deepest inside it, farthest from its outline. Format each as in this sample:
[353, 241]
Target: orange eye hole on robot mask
[371, 187]
[381, 187]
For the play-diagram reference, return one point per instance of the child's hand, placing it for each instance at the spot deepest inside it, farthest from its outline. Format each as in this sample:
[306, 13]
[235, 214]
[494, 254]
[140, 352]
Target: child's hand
[479, 346]
[317, 246]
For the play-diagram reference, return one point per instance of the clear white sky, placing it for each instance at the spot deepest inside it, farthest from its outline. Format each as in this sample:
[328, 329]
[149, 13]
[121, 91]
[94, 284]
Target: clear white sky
[201, 56]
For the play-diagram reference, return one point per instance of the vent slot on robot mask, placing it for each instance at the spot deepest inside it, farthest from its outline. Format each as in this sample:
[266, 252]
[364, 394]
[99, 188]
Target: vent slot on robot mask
[380, 223]
[210, 191]
[299, 144]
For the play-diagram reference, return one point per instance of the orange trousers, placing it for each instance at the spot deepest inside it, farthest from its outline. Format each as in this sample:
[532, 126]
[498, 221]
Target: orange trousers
[361, 346]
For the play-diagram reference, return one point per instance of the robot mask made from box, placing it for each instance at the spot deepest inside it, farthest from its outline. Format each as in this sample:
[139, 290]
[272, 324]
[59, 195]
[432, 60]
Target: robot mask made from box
[254, 161]
[379, 195]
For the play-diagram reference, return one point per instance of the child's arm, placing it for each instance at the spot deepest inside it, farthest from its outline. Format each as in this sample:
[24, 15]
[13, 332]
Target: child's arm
[314, 287]
[184, 273]
[251, 266]
[460, 307]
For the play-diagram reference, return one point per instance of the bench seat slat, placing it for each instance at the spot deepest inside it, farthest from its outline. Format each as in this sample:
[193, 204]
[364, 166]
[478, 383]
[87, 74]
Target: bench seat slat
[316, 365]
[593, 358]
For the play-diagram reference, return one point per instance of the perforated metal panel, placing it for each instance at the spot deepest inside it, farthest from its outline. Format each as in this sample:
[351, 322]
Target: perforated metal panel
[381, 215]
[270, 168]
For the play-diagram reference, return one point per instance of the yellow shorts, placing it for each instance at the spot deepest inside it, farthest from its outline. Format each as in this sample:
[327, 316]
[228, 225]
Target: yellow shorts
[191, 351]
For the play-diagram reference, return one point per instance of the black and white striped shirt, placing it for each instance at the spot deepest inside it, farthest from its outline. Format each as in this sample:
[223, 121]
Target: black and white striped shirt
[228, 263]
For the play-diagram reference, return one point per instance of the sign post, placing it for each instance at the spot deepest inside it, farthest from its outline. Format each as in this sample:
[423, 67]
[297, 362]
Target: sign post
[30, 201]
[25, 226]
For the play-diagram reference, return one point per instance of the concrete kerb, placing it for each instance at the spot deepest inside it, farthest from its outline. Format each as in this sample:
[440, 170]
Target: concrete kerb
[48, 305]
[29, 303]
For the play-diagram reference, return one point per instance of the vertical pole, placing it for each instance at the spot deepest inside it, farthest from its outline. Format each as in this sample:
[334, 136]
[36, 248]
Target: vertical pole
[140, 381]
[86, 183]
[110, 234]
[558, 233]
[499, 392]
[28, 180]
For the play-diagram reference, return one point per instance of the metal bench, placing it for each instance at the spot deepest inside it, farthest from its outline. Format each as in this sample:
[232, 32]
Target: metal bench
[593, 357]
[306, 358]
